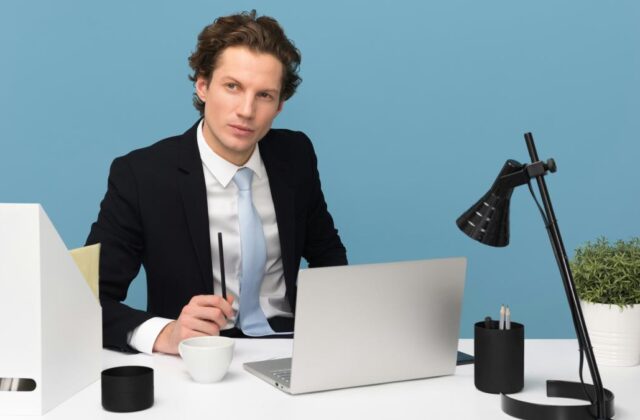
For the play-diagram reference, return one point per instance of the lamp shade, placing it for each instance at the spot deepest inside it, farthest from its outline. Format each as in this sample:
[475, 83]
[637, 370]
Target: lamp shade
[487, 221]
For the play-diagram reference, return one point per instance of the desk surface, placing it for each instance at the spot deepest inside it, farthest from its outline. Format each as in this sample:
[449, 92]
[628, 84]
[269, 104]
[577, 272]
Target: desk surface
[240, 395]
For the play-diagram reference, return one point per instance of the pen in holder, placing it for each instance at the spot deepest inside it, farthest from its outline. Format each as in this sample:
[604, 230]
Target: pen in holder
[499, 357]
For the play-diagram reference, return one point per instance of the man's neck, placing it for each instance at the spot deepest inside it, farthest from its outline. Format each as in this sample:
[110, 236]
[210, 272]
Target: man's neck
[237, 159]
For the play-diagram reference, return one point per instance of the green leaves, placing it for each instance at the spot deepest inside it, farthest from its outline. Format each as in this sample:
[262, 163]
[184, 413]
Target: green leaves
[608, 273]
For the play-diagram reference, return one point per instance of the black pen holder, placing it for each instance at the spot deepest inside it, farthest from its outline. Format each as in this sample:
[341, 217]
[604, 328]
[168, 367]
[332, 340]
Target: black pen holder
[499, 358]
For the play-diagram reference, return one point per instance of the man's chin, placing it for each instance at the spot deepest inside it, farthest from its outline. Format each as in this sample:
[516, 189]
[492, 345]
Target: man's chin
[243, 147]
[240, 150]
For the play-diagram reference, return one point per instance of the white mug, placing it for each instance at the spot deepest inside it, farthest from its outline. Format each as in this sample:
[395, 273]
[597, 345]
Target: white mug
[207, 358]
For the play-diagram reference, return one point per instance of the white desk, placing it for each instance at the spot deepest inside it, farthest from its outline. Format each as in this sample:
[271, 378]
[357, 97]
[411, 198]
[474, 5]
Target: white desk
[240, 395]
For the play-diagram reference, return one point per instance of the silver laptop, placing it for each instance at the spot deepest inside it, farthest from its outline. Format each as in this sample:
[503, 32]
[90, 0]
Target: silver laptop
[370, 324]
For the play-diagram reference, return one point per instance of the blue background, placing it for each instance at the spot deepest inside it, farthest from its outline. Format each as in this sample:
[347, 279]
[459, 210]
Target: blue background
[413, 107]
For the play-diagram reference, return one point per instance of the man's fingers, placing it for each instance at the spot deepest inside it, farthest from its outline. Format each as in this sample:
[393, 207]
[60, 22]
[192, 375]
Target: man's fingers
[215, 301]
[209, 314]
[204, 313]
[202, 327]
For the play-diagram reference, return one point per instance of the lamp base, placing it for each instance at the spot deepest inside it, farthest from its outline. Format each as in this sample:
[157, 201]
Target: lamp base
[562, 389]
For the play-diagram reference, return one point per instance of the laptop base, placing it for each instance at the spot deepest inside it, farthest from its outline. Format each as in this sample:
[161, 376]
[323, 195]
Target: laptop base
[277, 372]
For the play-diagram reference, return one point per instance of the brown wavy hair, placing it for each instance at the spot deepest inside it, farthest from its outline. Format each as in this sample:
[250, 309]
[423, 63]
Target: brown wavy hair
[260, 34]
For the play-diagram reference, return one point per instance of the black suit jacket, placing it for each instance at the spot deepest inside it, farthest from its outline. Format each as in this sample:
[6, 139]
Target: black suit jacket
[155, 214]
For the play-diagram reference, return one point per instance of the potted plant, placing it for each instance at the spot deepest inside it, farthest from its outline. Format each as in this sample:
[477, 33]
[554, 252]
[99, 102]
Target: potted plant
[607, 278]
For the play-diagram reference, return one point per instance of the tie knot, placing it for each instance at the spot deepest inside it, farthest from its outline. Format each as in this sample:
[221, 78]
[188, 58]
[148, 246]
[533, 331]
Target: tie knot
[242, 178]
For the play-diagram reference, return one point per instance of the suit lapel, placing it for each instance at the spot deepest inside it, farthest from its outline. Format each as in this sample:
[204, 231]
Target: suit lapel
[194, 199]
[279, 172]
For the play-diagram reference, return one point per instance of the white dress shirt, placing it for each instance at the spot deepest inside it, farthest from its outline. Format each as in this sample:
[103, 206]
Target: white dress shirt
[222, 203]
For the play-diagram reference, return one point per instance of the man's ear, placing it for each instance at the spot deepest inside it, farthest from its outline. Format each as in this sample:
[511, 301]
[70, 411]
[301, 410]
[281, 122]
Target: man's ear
[280, 106]
[202, 87]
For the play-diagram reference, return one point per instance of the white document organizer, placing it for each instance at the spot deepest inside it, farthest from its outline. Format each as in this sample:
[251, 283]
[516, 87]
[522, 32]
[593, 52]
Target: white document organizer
[50, 321]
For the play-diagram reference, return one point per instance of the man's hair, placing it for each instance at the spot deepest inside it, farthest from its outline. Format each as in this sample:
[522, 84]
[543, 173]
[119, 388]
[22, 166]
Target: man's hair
[260, 34]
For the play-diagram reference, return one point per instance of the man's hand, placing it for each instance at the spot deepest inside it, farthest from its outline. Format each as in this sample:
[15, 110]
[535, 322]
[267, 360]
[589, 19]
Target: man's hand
[203, 315]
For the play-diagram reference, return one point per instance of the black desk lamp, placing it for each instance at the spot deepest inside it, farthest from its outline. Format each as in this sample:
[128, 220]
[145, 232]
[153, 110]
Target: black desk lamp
[487, 221]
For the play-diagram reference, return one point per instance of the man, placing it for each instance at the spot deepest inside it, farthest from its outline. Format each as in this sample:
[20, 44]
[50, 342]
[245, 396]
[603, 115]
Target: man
[229, 173]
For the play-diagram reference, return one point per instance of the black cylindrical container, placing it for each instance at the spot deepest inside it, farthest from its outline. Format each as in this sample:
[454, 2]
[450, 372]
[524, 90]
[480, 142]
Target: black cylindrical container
[127, 388]
[499, 358]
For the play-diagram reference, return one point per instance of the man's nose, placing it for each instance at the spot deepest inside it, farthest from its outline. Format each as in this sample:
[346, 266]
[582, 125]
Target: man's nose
[246, 107]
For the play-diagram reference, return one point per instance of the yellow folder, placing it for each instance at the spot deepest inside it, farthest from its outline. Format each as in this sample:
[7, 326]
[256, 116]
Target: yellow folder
[87, 259]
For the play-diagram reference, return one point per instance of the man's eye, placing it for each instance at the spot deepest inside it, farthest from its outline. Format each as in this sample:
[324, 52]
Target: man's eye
[231, 86]
[265, 95]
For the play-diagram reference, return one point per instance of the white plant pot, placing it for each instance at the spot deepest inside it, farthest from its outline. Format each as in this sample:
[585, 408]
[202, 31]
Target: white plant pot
[614, 332]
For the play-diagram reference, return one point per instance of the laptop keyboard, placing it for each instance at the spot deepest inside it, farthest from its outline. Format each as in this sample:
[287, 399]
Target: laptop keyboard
[282, 375]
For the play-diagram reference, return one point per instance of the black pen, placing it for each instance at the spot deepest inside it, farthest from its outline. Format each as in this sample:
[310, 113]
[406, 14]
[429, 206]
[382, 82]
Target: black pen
[222, 279]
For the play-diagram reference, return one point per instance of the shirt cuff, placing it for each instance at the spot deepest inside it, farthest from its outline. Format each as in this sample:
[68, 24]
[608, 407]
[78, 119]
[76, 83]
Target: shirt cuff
[143, 337]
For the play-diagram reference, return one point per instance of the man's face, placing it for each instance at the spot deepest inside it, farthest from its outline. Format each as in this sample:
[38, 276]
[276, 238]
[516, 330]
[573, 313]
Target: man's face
[241, 101]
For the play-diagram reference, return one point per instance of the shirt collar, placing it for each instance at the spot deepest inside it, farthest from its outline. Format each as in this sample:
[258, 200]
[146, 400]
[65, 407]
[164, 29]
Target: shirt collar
[222, 169]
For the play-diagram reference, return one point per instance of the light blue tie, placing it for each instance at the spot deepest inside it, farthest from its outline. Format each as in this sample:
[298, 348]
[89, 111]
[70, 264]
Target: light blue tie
[253, 246]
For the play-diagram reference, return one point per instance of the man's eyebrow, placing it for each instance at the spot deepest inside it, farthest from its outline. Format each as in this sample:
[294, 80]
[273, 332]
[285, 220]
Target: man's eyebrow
[229, 78]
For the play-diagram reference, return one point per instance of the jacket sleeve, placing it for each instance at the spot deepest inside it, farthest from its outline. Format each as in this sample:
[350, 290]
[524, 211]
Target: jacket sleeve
[119, 231]
[322, 247]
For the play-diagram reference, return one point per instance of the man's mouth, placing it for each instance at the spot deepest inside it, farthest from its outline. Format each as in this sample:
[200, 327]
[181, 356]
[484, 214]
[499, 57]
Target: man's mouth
[243, 129]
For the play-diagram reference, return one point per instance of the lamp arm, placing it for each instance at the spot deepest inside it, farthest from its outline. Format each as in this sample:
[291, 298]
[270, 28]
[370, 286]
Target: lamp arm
[569, 285]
